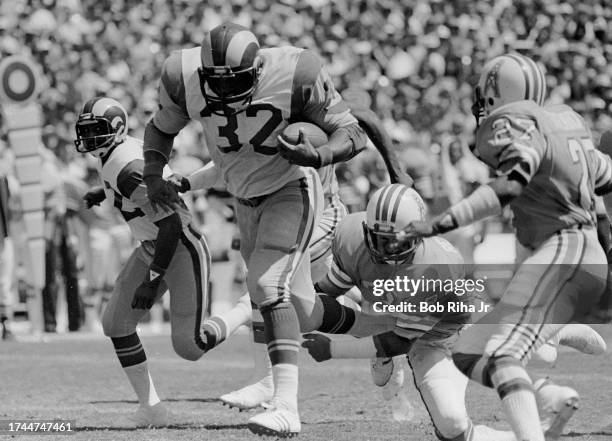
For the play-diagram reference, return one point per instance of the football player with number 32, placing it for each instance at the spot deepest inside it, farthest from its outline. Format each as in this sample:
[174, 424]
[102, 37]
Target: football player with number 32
[549, 173]
[244, 97]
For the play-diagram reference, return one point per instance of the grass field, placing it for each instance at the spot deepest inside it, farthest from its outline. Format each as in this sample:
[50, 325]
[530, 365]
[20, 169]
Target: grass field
[78, 378]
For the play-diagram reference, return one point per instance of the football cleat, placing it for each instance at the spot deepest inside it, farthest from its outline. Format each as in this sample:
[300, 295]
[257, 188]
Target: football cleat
[151, 416]
[583, 338]
[556, 405]
[279, 420]
[381, 370]
[249, 397]
[395, 383]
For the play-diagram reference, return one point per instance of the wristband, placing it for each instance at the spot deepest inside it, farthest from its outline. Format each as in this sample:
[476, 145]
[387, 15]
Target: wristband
[326, 156]
[483, 202]
[155, 274]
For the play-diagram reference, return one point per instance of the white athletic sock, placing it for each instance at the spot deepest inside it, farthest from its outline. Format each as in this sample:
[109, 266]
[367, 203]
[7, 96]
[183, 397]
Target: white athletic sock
[263, 366]
[286, 384]
[237, 316]
[142, 383]
[522, 412]
[515, 389]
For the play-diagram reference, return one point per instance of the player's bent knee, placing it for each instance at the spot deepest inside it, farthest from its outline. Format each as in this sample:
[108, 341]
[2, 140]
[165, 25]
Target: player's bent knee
[264, 289]
[186, 347]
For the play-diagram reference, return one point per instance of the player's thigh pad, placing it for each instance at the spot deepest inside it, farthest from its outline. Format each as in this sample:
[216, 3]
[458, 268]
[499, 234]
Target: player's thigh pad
[287, 220]
[442, 387]
[119, 318]
[187, 278]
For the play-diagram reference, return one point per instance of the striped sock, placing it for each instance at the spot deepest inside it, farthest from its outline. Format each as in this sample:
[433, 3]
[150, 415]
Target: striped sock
[518, 398]
[282, 335]
[129, 350]
[134, 362]
[218, 327]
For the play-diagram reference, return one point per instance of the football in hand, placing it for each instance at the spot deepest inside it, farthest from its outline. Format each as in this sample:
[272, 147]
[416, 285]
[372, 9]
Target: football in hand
[315, 135]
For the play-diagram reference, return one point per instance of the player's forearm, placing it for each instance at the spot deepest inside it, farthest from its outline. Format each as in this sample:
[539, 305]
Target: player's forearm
[343, 144]
[372, 125]
[204, 178]
[166, 242]
[487, 200]
[157, 147]
[383, 345]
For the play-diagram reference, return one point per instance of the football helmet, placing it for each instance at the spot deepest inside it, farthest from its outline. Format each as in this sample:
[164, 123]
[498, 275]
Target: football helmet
[102, 124]
[505, 79]
[230, 68]
[389, 210]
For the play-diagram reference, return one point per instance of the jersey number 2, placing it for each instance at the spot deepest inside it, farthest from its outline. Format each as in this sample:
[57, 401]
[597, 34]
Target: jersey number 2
[579, 148]
[229, 130]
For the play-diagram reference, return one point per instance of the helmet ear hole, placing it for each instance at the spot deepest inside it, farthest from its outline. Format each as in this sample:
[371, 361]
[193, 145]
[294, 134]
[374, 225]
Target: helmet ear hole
[491, 101]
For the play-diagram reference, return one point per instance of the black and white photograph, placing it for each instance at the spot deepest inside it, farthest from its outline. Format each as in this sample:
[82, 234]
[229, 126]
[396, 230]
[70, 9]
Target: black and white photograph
[338, 220]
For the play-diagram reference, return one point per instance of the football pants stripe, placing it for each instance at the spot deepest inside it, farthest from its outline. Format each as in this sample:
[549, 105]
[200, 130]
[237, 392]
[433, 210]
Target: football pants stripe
[578, 242]
[514, 336]
[200, 258]
[308, 189]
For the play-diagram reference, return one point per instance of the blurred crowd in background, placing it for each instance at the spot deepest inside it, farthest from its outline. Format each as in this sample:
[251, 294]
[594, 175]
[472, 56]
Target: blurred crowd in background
[417, 61]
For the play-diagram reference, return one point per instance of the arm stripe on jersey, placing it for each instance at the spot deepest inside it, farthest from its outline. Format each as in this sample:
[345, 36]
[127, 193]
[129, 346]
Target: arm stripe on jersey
[304, 78]
[172, 79]
[130, 177]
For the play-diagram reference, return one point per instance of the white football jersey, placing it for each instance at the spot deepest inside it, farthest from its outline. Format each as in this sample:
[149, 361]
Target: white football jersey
[292, 86]
[121, 172]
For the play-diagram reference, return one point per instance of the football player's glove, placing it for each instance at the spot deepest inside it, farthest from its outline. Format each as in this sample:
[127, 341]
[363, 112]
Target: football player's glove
[95, 196]
[145, 294]
[318, 346]
[180, 183]
[161, 193]
[303, 153]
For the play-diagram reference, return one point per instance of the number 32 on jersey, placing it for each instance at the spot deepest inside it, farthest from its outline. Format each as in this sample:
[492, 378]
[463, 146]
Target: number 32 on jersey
[261, 121]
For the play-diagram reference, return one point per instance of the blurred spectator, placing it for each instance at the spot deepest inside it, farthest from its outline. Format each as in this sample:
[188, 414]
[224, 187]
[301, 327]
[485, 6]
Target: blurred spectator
[61, 247]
